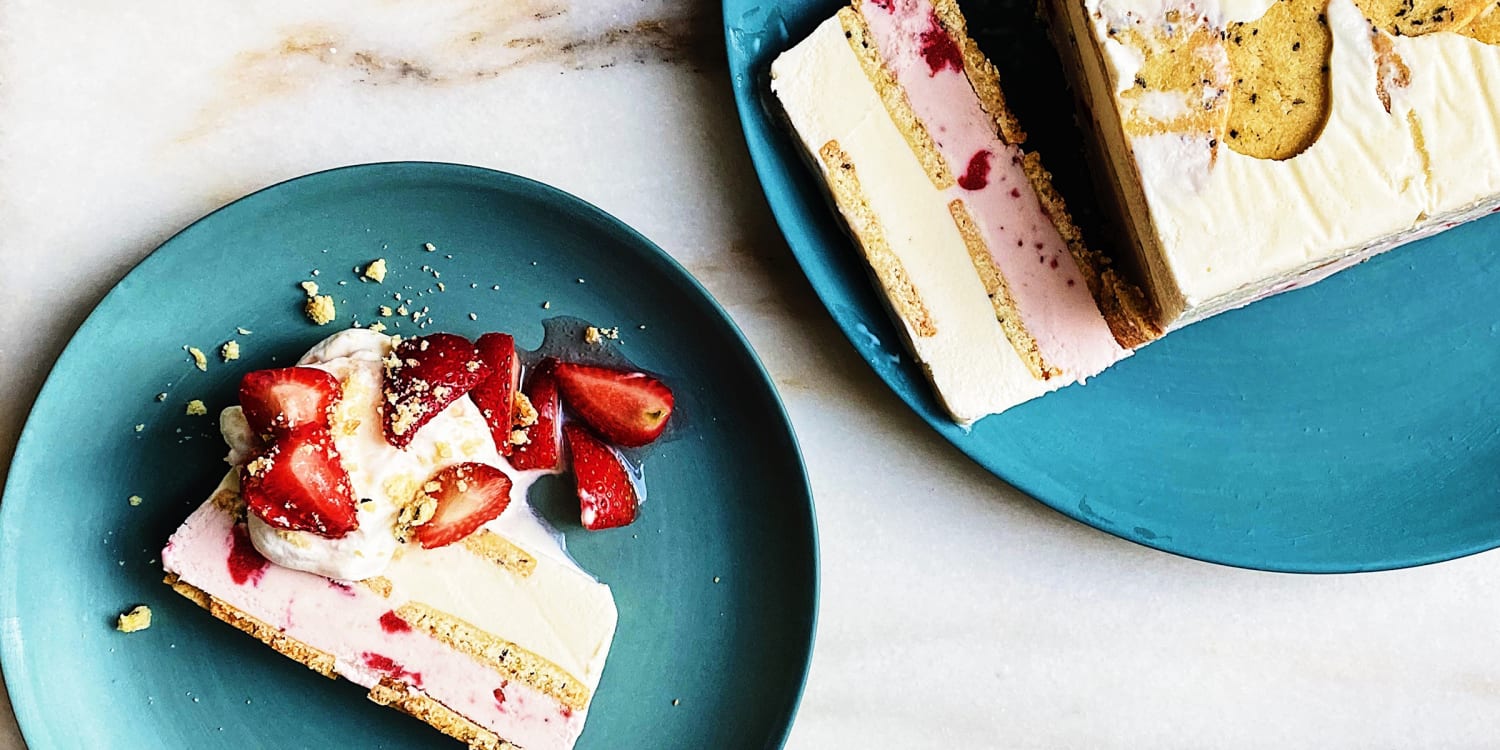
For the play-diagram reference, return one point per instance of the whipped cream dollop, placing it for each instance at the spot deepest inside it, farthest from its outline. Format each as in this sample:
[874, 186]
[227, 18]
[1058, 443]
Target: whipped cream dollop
[383, 477]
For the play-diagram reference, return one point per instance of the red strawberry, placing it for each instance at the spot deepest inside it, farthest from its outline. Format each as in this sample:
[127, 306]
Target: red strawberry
[496, 395]
[468, 496]
[606, 494]
[543, 448]
[287, 399]
[298, 483]
[423, 375]
[625, 408]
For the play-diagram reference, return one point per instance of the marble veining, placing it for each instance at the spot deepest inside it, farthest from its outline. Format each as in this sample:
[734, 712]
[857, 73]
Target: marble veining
[459, 44]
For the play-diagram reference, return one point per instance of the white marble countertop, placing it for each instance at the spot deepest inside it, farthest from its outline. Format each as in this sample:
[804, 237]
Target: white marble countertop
[956, 612]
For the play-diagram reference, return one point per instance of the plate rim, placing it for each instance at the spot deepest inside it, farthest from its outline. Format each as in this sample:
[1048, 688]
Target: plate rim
[744, 78]
[30, 715]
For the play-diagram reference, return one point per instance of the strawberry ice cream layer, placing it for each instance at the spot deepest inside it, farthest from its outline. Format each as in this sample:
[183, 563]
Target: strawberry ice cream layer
[1050, 295]
[358, 627]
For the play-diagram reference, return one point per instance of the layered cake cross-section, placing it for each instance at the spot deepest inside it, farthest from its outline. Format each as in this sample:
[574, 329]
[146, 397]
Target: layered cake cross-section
[994, 289]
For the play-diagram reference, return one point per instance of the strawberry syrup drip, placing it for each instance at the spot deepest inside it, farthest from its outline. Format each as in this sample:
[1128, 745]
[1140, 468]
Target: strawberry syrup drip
[245, 563]
[939, 49]
[391, 622]
[383, 663]
[978, 173]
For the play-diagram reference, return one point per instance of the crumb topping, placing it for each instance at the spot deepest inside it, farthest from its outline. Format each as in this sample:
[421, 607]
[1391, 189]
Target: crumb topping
[135, 620]
[375, 271]
[417, 512]
[311, 287]
[525, 411]
[591, 335]
[320, 310]
[230, 351]
[136, 500]
[377, 326]
[161, 396]
[242, 331]
[259, 466]
[195, 408]
[200, 360]
[519, 437]
[429, 247]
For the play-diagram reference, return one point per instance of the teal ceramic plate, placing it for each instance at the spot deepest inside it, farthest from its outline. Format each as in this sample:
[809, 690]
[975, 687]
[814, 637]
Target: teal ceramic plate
[1349, 426]
[728, 495]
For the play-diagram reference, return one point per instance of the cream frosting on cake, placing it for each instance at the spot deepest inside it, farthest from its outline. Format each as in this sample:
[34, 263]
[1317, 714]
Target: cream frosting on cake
[1409, 144]
[501, 630]
[904, 119]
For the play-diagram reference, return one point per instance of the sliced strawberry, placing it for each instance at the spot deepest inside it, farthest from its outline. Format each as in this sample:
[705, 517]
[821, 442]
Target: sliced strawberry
[468, 496]
[287, 399]
[625, 408]
[496, 395]
[298, 483]
[543, 447]
[606, 494]
[423, 375]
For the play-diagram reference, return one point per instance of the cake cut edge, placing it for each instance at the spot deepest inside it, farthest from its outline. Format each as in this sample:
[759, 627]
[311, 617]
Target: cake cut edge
[388, 692]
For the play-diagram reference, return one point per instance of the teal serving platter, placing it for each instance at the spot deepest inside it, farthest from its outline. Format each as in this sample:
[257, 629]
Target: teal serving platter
[1350, 426]
[716, 583]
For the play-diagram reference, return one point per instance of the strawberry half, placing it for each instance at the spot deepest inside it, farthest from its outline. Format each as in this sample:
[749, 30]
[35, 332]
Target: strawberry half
[496, 395]
[423, 375]
[606, 494]
[277, 401]
[625, 408]
[469, 495]
[543, 449]
[298, 483]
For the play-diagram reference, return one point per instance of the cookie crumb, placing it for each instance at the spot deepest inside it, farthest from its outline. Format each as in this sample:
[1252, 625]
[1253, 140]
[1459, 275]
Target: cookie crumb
[134, 620]
[377, 326]
[580, 279]
[320, 310]
[675, 701]
[310, 287]
[385, 311]
[591, 335]
[242, 331]
[526, 415]
[429, 247]
[230, 351]
[375, 271]
[140, 427]
[519, 437]
[161, 396]
[472, 316]
[195, 408]
[546, 305]
[200, 360]
[441, 288]
[135, 500]
[716, 579]
[401, 310]
[495, 287]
